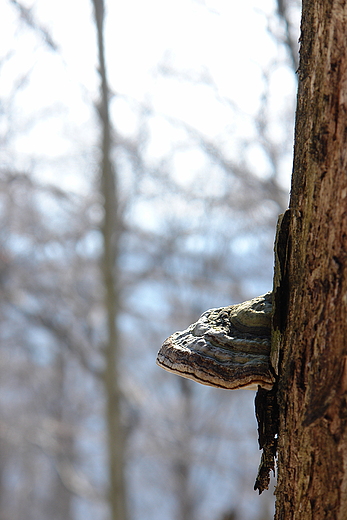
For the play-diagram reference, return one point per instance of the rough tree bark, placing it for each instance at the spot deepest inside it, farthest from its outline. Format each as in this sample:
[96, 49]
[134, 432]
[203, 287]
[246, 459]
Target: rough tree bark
[312, 454]
[110, 232]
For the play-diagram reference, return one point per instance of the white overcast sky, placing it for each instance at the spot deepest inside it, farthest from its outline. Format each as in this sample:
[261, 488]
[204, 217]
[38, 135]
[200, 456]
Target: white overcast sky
[228, 38]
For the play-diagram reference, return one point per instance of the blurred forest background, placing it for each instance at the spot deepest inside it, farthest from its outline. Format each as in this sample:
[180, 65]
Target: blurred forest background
[146, 152]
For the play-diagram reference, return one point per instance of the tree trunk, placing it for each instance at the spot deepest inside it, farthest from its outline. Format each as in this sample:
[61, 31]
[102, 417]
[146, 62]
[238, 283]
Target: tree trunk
[312, 454]
[183, 463]
[110, 233]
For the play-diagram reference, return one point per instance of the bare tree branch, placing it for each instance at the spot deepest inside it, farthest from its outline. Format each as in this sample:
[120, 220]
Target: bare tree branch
[28, 17]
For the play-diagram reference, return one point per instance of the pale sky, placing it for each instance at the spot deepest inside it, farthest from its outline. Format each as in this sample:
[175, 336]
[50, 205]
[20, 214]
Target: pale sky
[228, 39]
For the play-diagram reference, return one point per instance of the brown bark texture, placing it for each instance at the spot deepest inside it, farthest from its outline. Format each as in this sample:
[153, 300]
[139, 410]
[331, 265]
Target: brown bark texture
[312, 451]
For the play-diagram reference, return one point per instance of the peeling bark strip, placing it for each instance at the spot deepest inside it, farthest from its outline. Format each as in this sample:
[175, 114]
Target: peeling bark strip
[312, 450]
[266, 411]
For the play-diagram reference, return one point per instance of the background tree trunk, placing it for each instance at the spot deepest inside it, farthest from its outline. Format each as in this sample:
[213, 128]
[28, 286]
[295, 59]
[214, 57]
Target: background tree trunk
[110, 233]
[182, 467]
[312, 465]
